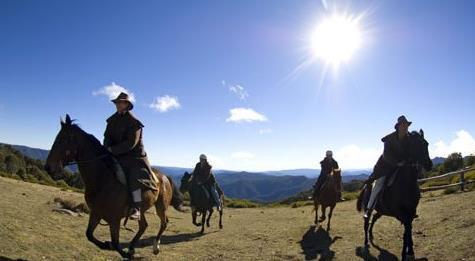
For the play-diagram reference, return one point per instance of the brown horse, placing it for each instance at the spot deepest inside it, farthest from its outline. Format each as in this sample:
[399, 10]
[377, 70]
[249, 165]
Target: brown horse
[106, 197]
[328, 196]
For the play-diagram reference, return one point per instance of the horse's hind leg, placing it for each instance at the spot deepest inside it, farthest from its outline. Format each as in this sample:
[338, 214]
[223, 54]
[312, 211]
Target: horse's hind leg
[162, 214]
[142, 227]
[93, 222]
[115, 232]
[373, 221]
[330, 217]
[209, 217]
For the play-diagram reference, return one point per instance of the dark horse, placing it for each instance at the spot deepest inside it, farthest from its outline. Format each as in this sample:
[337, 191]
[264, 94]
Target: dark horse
[105, 196]
[400, 200]
[199, 201]
[328, 196]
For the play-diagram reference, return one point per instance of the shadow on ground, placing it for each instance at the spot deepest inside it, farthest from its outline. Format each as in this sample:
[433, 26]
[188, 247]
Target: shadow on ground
[317, 242]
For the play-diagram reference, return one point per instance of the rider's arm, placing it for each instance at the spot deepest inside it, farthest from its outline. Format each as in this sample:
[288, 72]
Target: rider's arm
[132, 139]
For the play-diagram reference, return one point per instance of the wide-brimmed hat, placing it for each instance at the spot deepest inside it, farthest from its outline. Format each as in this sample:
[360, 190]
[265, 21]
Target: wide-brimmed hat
[402, 119]
[124, 97]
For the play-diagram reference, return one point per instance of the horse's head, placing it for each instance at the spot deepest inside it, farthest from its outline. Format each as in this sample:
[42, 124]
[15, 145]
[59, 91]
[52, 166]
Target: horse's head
[64, 149]
[419, 150]
[185, 182]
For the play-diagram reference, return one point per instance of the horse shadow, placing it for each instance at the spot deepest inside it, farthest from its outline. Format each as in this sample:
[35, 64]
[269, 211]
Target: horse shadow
[166, 239]
[317, 242]
[4, 258]
[384, 255]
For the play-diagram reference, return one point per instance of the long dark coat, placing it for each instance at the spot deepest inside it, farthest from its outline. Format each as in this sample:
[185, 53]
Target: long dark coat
[395, 151]
[123, 136]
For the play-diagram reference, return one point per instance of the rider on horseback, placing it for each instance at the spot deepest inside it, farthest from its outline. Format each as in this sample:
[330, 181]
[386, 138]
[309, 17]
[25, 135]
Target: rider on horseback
[123, 138]
[395, 155]
[328, 164]
[203, 175]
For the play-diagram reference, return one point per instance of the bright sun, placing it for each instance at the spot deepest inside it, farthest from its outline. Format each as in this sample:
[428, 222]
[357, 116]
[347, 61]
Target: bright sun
[335, 39]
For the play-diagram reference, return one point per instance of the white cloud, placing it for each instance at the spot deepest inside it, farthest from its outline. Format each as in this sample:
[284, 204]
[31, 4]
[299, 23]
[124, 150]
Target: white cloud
[245, 115]
[241, 155]
[165, 103]
[463, 142]
[265, 131]
[112, 91]
[354, 157]
[239, 91]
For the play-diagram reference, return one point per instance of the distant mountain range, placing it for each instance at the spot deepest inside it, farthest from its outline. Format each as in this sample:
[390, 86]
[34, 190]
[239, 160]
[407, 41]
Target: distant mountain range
[263, 186]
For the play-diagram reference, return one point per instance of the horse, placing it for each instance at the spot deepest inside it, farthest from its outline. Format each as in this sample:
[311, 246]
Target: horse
[106, 197]
[200, 202]
[328, 196]
[400, 200]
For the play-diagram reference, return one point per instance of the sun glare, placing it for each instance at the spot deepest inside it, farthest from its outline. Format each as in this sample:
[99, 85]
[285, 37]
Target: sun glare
[335, 39]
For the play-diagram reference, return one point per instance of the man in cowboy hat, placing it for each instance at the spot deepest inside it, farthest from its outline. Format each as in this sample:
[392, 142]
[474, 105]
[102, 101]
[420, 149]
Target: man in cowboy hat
[395, 155]
[328, 164]
[123, 138]
[203, 175]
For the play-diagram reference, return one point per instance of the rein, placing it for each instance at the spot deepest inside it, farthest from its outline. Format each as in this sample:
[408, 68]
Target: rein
[86, 161]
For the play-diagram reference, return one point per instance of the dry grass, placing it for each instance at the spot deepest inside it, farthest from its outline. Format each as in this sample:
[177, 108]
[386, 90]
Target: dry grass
[30, 230]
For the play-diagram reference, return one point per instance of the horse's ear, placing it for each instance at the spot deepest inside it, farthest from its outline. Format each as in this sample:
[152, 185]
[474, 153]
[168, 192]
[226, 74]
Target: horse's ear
[421, 132]
[68, 119]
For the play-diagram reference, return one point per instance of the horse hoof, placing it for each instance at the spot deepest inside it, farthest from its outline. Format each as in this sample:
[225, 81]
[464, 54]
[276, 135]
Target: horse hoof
[410, 258]
[107, 246]
[131, 251]
[198, 224]
[207, 224]
[220, 226]
[156, 251]
[156, 247]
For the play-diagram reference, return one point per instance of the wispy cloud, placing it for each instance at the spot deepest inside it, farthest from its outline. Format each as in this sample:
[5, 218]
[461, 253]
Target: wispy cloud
[241, 155]
[112, 91]
[265, 131]
[165, 103]
[355, 157]
[463, 143]
[237, 89]
[245, 115]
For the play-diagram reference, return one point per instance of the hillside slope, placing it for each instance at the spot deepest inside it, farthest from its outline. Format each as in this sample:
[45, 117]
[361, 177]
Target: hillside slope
[30, 230]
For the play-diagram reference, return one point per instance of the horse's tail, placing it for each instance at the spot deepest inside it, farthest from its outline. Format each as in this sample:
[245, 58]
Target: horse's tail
[361, 196]
[177, 197]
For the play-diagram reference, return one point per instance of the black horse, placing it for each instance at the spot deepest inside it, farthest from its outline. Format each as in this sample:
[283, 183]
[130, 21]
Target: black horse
[400, 200]
[200, 201]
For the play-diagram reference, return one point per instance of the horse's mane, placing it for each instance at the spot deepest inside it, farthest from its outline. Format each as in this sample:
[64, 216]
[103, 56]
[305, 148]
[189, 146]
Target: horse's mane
[89, 137]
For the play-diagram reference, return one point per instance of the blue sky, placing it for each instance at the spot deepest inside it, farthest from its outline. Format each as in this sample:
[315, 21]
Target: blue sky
[225, 72]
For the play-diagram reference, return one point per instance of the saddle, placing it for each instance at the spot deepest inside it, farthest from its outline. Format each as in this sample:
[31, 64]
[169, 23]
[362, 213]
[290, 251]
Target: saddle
[120, 175]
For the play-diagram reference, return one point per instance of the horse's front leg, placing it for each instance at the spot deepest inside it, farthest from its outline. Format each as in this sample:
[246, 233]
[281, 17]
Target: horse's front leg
[408, 245]
[330, 217]
[209, 217]
[114, 227]
[316, 212]
[366, 226]
[203, 220]
[323, 217]
[93, 222]
[221, 218]
[373, 221]
[193, 216]
[142, 227]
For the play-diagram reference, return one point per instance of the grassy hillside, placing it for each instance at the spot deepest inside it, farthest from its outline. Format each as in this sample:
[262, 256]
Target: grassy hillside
[30, 230]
